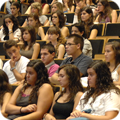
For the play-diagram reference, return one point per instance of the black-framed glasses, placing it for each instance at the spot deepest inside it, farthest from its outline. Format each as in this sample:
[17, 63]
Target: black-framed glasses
[69, 44]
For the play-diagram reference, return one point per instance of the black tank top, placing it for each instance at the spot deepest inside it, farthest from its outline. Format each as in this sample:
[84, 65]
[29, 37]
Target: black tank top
[63, 110]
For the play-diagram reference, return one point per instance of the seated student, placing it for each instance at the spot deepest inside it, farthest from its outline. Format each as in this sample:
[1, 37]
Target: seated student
[32, 99]
[15, 11]
[44, 6]
[79, 29]
[47, 56]
[10, 28]
[15, 68]
[30, 49]
[112, 57]
[65, 101]
[105, 12]
[5, 92]
[74, 46]
[102, 96]
[54, 7]
[87, 19]
[68, 6]
[33, 20]
[37, 9]
[55, 37]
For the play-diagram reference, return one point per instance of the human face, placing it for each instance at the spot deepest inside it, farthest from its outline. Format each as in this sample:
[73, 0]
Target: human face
[52, 36]
[31, 22]
[14, 10]
[8, 21]
[76, 31]
[109, 53]
[14, 53]
[26, 36]
[80, 4]
[71, 47]
[85, 16]
[100, 7]
[63, 78]
[34, 10]
[55, 19]
[54, 8]
[46, 56]
[31, 76]
[92, 77]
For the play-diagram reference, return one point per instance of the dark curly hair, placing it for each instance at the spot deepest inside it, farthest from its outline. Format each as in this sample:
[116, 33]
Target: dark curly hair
[104, 82]
[42, 77]
[61, 17]
[4, 85]
[73, 74]
[116, 48]
[89, 23]
[107, 9]
[15, 24]
[31, 31]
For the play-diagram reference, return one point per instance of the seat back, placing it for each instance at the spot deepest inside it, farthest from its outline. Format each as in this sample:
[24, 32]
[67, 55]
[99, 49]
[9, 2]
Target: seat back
[110, 40]
[113, 5]
[69, 17]
[45, 28]
[101, 29]
[97, 45]
[112, 29]
[58, 61]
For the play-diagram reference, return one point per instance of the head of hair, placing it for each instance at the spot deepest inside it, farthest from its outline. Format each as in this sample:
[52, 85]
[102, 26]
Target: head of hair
[60, 39]
[42, 77]
[116, 48]
[36, 18]
[89, 23]
[15, 24]
[70, 3]
[73, 74]
[43, 1]
[4, 85]
[9, 43]
[59, 5]
[77, 39]
[32, 33]
[78, 0]
[107, 9]
[104, 82]
[49, 47]
[38, 6]
[15, 4]
[61, 17]
[80, 27]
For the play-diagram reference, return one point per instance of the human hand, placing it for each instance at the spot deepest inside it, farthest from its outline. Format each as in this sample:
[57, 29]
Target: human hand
[70, 118]
[29, 108]
[12, 62]
[10, 25]
[76, 113]
[49, 117]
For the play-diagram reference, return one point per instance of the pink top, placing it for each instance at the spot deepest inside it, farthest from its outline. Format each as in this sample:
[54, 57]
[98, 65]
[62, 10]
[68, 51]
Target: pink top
[53, 68]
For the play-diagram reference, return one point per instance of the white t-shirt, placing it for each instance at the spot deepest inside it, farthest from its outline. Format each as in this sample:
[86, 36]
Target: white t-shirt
[103, 103]
[20, 66]
[17, 34]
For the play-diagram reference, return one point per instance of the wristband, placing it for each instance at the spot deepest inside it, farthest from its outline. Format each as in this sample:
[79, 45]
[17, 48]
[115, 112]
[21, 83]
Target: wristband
[12, 68]
[45, 115]
[68, 9]
[10, 30]
[20, 110]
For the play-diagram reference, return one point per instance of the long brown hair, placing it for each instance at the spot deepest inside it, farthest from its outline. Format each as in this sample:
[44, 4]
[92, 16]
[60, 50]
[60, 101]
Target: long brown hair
[70, 3]
[60, 39]
[107, 9]
[75, 85]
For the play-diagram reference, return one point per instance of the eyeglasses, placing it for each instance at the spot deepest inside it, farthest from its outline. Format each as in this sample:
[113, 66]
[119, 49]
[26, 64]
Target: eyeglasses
[69, 44]
[54, 16]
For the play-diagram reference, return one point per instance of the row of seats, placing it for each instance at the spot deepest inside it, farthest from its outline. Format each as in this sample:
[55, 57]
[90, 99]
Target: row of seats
[100, 43]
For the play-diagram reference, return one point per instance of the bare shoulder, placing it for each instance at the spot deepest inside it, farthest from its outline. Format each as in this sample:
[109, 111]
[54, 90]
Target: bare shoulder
[118, 70]
[78, 95]
[7, 94]
[45, 87]
[65, 28]
[36, 45]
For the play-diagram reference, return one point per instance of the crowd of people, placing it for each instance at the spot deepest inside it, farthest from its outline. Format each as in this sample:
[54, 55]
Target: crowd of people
[32, 70]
